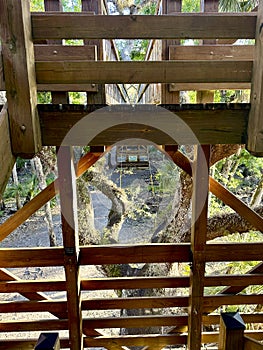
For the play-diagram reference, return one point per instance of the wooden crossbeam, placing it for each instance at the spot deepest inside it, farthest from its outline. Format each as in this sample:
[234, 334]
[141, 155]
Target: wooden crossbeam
[176, 26]
[20, 80]
[255, 125]
[56, 123]
[7, 159]
[100, 72]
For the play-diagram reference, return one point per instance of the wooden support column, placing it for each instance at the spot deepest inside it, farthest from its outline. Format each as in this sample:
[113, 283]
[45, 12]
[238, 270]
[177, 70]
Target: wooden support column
[68, 203]
[56, 6]
[20, 80]
[7, 160]
[167, 96]
[198, 244]
[95, 6]
[207, 96]
[232, 328]
[255, 125]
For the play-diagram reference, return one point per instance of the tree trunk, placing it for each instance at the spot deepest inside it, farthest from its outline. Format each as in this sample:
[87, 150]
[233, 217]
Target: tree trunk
[16, 184]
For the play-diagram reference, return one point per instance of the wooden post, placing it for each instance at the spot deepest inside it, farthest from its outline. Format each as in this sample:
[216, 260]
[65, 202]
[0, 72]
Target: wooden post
[255, 124]
[56, 5]
[232, 328]
[198, 244]
[20, 79]
[48, 341]
[68, 203]
[168, 97]
[95, 6]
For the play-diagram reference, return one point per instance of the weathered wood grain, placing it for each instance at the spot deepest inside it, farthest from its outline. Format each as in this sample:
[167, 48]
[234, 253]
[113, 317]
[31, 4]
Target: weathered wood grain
[210, 124]
[20, 79]
[255, 125]
[176, 26]
[7, 159]
[100, 72]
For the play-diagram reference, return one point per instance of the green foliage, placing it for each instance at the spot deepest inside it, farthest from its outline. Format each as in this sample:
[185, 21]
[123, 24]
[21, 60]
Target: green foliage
[26, 188]
[190, 6]
[237, 5]
[44, 97]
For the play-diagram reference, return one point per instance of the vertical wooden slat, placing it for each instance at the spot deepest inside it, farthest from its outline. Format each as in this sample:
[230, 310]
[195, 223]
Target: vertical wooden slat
[56, 5]
[20, 79]
[231, 335]
[68, 203]
[207, 96]
[169, 6]
[255, 125]
[95, 6]
[198, 244]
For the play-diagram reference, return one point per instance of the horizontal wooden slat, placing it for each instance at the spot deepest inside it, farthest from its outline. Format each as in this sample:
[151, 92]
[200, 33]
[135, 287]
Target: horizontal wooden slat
[99, 72]
[25, 344]
[137, 322]
[32, 286]
[208, 86]
[133, 283]
[234, 280]
[136, 340]
[24, 257]
[33, 306]
[210, 123]
[134, 303]
[176, 26]
[252, 344]
[65, 53]
[212, 52]
[122, 254]
[239, 252]
[213, 301]
[45, 325]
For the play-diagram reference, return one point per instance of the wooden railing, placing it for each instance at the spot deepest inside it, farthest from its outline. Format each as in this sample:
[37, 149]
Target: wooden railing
[101, 255]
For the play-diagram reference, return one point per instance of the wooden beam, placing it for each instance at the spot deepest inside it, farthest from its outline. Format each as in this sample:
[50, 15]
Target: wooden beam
[41, 199]
[2, 82]
[7, 159]
[100, 72]
[65, 53]
[56, 123]
[176, 26]
[252, 344]
[198, 244]
[20, 81]
[232, 329]
[208, 86]
[212, 52]
[255, 125]
[239, 252]
[68, 204]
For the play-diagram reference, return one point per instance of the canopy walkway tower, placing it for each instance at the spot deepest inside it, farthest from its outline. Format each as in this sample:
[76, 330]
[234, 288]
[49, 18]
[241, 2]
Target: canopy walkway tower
[34, 58]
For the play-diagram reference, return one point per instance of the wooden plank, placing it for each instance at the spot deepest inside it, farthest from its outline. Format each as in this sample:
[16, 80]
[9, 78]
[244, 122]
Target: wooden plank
[25, 344]
[229, 123]
[25, 257]
[239, 252]
[100, 72]
[215, 301]
[20, 80]
[33, 306]
[252, 344]
[234, 280]
[134, 322]
[255, 125]
[208, 86]
[231, 334]
[7, 159]
[212, 52]
[41, 198]
[133, 283]
[142, 253]
[32, 286]
[69, 219]
[134, 303]
[45, 325]
[198, 244]
[136, 340]
[65, 53]
[176, 26]
[6, 275]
